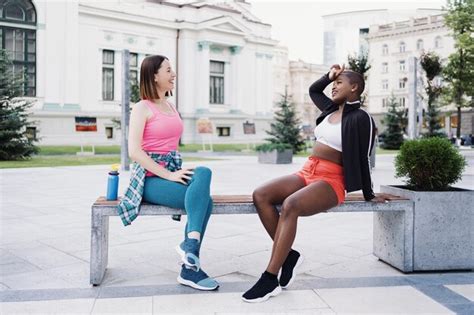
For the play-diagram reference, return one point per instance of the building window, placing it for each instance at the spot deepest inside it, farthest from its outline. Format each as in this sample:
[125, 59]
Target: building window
[385, 49]
[384, 67]
[402, 101]
[223, 131]
[384, 84]
[402, 47]
[18, 38]
[419, 44]
[216, 86]
[401, 65]
[31, 133]
[108, 75]
[384, 102]
[438, 42]
[133, 68]
[109, 132]
[401, 83]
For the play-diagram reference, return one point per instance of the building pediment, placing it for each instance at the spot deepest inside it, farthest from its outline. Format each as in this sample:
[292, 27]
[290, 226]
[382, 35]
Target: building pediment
[225, 24]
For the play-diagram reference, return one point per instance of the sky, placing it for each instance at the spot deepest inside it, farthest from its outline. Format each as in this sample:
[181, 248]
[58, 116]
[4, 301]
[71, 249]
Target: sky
[295, 22]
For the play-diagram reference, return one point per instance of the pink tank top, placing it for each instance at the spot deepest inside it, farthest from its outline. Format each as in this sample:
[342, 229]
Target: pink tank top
[162, 131]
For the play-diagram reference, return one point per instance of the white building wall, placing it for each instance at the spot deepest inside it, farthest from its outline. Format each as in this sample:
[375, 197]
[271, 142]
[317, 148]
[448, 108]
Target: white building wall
[73, 34]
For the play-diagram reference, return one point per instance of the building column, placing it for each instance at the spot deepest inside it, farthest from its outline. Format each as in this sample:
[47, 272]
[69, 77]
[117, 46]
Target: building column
[236, 91]
[259, 86]
[202, 77]
[269, 83]
[186, 76]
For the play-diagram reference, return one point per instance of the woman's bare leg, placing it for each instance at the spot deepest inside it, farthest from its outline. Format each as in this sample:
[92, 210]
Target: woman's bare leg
[312, 199]
[273, 193]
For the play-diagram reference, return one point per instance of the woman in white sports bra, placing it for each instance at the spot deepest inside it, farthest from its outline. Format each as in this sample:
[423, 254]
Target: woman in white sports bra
[338, 163]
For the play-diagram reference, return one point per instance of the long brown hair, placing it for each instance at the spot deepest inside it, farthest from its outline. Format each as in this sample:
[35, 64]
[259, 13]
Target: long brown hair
[148, 69]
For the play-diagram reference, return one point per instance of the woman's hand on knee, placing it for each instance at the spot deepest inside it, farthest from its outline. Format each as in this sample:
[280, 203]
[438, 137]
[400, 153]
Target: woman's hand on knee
[181, 176]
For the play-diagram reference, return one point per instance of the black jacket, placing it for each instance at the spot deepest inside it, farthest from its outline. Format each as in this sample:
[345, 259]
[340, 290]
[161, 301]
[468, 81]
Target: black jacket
[358, 133]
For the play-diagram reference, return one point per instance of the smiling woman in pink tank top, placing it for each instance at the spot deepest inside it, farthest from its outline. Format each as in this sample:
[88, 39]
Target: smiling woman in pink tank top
[157, 176]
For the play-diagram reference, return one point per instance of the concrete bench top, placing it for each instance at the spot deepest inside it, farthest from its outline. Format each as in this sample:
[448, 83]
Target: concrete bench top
[242, 204]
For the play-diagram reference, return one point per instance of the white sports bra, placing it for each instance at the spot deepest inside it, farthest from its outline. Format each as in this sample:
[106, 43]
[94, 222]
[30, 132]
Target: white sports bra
[329, 134]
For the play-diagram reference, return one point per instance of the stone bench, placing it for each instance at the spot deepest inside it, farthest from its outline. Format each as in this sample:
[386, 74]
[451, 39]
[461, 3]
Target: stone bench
[394, 246]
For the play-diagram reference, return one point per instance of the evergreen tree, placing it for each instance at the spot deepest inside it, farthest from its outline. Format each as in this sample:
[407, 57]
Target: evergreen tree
[15, 145]
[430, 62]
[394, 120]
[459, 73]
[360, 63]
[286, 128]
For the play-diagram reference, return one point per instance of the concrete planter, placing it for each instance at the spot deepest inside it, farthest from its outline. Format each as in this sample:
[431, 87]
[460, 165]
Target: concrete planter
[443, 228]
[275, 157]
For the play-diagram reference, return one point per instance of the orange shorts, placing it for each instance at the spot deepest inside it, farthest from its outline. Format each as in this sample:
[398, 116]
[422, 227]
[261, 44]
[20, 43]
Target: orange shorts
[318, 169]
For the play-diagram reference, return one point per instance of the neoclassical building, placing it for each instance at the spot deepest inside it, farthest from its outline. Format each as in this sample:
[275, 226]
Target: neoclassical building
[390, 48]
[72, 51]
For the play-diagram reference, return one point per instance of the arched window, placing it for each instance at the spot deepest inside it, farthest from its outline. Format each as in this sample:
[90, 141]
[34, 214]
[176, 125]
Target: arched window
[438, 42]
[385, 49]
[402, 46]
[18, 38]
[419, 44]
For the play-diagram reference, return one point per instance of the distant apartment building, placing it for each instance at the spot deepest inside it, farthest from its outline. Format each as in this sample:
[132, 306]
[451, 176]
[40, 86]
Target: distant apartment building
[390, 48]
[345, 32]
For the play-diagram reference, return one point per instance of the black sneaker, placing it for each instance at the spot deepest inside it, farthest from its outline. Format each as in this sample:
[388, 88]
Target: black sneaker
[265, 287]
[292, 262]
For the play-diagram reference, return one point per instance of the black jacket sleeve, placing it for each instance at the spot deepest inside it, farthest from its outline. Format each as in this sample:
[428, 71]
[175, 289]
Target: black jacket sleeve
[317, 95]
[366, 143]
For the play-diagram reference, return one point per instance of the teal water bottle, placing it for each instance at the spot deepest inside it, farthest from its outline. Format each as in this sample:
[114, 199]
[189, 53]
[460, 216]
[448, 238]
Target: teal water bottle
[113, 183]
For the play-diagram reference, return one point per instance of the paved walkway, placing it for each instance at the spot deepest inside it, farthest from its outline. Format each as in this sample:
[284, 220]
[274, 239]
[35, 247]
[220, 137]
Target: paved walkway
[44, 253]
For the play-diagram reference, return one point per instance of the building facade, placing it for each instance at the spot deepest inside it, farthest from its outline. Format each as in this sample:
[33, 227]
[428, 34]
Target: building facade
[302, 75]
[72, 51]
[345, 33]
[391, 46]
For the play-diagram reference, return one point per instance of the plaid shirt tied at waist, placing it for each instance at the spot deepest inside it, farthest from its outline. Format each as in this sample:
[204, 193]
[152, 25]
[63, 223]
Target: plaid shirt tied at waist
[129, 206]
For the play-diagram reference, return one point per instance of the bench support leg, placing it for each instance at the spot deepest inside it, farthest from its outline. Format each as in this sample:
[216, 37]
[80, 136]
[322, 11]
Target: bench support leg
[393, 238]
[99, 246]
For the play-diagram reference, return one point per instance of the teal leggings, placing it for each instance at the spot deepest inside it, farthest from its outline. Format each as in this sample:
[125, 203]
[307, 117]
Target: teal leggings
[194, 198]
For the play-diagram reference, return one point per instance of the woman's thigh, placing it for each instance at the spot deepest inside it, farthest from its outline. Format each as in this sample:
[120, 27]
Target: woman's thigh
[317, 197]
[276, 190]
[164, 192]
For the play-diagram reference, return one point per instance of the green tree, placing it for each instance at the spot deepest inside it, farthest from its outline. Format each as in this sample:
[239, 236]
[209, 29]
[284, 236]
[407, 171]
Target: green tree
[431, 64]
[458, 72]
[15, 145]
[285, 129]
[395, 121]
[360, 63]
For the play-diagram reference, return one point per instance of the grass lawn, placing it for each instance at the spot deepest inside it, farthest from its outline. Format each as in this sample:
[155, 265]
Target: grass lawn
[72, 160]
[115, 149]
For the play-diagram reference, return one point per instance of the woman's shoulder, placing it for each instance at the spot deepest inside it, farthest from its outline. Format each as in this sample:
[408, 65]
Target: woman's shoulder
[361, 115]
[142, 107]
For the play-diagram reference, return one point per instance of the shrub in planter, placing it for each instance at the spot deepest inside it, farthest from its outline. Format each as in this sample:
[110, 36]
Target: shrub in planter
[267, 147]
[275, 153]
[441, 223]
[430, 164]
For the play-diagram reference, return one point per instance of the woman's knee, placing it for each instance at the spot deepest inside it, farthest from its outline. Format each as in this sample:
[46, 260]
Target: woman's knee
[260, 195]
[289, 208]
[202, 172]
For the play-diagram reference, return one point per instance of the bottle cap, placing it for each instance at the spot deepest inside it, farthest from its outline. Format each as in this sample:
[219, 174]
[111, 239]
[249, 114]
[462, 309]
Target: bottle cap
[114, 169]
